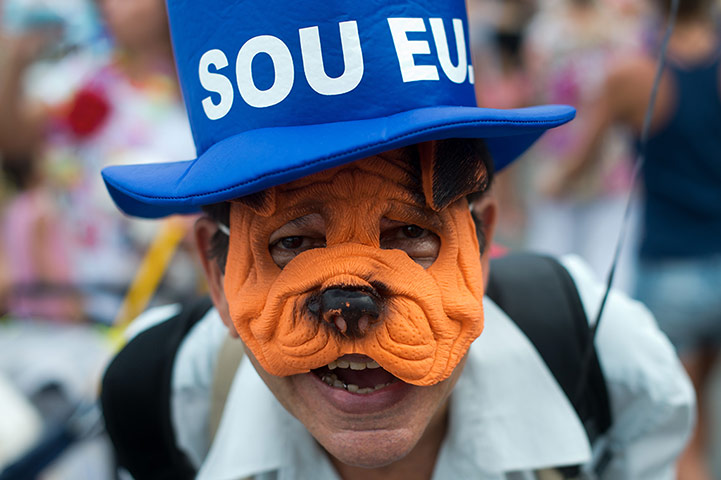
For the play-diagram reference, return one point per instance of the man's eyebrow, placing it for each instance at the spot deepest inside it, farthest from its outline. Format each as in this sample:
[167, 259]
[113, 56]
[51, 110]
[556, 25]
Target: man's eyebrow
[301, 221]
[415, 213]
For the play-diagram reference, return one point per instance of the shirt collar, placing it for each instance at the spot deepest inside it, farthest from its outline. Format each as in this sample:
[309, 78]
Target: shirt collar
[507, 411]
[507, 414]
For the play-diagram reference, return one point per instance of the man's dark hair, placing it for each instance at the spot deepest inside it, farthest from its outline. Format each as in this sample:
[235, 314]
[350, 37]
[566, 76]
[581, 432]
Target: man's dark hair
[220, 212]
[218, 251]
[480, 232]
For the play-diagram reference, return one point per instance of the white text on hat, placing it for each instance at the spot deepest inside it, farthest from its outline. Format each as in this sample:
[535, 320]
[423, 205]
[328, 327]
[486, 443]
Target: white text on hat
[406, 49]
[314, 69]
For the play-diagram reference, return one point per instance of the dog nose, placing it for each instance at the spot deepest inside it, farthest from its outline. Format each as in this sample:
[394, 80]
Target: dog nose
[351, 311]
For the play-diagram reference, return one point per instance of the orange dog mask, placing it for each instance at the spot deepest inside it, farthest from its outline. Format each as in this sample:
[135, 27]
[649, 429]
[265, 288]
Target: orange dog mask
[416, 322]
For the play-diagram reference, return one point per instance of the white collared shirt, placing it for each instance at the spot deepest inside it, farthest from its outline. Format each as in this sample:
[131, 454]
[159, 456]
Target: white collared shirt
[508, 416]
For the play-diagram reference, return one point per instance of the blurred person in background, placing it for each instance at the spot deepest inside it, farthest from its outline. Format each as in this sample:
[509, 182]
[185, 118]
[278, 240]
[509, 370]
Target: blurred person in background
[34, 248]
[569, 45]
[497, 32]
[679, 270]
[68, 110]
[125, 108]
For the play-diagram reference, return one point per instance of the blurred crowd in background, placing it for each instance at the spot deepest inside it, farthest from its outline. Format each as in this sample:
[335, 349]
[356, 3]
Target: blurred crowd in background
[85, 84]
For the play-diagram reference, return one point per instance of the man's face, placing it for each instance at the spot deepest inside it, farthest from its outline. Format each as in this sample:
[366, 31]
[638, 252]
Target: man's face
[351, 230]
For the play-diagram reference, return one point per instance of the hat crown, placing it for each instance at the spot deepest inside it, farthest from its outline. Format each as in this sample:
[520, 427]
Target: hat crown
[252, 64]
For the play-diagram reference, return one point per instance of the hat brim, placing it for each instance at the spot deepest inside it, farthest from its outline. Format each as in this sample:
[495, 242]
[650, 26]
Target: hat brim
[258, 159]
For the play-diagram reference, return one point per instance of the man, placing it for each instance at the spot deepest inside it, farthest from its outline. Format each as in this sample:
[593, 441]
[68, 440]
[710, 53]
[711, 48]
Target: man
[339, 246]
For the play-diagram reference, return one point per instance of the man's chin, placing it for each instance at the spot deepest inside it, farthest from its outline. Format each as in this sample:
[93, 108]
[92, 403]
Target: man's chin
[370, 449]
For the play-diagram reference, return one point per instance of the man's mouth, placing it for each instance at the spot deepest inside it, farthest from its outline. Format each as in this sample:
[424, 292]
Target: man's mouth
[356, 374]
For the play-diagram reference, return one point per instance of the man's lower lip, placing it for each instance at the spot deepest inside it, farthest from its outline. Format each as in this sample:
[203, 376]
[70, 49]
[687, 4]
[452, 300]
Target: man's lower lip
[348, 402]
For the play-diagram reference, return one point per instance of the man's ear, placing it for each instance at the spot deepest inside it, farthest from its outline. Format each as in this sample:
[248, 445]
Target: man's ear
[485, 216]
[452, 169]
[205, 228]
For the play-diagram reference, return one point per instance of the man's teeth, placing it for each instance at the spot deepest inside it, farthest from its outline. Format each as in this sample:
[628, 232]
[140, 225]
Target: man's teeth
[352, 365]
[332, 380]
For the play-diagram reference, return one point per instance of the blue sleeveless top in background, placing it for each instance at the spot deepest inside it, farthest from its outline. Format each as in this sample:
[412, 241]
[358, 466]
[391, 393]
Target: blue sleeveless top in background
[682, 174]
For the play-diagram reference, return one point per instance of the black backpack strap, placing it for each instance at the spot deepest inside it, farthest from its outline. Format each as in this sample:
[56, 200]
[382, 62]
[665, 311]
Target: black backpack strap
[135, 399]
[540, 296]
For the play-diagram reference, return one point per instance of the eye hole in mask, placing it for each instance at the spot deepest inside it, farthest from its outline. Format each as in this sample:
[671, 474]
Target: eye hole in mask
[308, 232]
[295, 237]
[421, 244]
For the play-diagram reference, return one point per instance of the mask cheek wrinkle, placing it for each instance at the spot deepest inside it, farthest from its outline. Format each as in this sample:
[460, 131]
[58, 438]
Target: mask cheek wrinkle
[457, 269]
[458, 273]
[299, 334]
[407, 352]
[249, 275]
[240, 267]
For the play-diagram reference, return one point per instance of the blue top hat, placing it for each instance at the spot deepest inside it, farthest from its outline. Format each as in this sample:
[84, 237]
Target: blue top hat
[277, 90]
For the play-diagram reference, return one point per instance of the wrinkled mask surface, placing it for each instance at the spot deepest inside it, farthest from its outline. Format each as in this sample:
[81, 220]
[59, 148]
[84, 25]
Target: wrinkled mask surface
[301, 300]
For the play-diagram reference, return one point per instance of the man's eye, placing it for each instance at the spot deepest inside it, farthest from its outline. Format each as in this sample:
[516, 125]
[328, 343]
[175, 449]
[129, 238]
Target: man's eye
[413, 231]
[295, 237]
[285, 249]
[297, 243]
[291, 243]
[420, 244]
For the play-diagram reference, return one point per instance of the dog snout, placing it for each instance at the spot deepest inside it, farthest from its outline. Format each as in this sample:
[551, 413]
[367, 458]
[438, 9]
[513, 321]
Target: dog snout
[351, 311]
